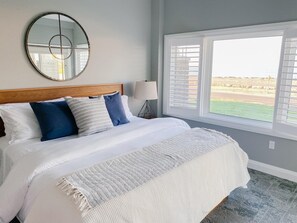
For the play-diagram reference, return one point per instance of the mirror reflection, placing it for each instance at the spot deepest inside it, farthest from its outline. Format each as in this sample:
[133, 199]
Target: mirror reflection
[57, 46]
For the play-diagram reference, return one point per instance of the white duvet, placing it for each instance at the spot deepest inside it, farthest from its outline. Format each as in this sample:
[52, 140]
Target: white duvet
[30, 187]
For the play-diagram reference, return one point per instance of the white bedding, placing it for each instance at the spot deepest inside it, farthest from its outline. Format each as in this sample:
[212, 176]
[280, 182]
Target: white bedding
[11, 153]
[30, 186]
[33, 171]
[3, 146]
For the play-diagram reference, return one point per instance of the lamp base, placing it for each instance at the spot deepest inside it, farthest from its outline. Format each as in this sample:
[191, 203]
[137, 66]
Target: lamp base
[146, 111]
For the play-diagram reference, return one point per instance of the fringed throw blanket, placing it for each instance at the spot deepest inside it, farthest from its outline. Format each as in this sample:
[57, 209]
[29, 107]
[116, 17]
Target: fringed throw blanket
[93, 186]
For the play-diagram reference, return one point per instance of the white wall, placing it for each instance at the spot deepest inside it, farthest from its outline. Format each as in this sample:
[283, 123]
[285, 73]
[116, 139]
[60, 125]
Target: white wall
[119, 34]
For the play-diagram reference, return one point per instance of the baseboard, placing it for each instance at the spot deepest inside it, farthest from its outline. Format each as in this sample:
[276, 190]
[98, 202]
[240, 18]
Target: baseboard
[273, 170]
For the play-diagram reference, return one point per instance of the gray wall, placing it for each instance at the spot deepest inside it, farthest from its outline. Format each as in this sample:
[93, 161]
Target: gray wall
[194, 15]
[157, 50]
[119, 33]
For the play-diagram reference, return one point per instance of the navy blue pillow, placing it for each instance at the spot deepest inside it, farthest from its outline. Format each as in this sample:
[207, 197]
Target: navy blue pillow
[115, 109]
[2, 129]
[55, 119]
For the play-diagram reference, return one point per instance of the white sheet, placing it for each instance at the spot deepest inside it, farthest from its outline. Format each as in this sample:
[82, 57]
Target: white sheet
[35, 170]
[3, 144]
[11, 153]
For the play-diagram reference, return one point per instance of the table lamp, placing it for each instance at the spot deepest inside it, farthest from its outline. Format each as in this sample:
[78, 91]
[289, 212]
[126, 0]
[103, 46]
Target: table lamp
[146, 90]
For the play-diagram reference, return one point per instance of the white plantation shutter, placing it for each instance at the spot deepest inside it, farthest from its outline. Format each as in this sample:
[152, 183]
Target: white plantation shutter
[286, 111]
[81, 57]
[43, 59]
[181, 76]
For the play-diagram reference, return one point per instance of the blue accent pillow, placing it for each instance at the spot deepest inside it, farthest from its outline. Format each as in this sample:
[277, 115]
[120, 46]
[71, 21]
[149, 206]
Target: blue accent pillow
[2, 129]
[115, 109]
[55, 119]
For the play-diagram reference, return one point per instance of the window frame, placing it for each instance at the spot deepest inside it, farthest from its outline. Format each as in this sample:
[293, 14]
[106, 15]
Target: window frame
[205, 77]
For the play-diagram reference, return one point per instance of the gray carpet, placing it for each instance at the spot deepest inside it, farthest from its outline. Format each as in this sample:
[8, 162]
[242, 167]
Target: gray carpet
[268, 199]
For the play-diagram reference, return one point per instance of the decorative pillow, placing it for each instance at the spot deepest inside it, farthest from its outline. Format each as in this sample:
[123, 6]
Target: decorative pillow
[2, 129]
[55, 119]
[115, 109]
[124, 98]
[128, 113]
[91, 115]
[20, 122]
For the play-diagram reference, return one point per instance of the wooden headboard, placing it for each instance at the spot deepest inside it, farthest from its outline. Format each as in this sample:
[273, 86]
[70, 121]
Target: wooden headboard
[42, 94]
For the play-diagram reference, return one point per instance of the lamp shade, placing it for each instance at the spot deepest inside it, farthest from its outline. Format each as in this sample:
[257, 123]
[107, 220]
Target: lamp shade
[146, 90]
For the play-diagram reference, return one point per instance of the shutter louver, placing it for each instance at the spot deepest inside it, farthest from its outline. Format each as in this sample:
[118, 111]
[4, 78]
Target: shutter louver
[286, 113]
[81, 56]
[182, 73]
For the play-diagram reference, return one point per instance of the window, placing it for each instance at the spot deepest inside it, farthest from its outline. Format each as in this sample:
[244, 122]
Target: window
[244, 74]
[244, 78]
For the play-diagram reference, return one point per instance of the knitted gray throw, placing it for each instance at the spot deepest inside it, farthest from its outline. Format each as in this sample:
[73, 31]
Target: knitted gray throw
[109, 179]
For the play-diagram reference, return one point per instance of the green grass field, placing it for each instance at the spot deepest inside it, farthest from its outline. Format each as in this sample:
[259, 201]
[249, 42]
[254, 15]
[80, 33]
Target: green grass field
[244, 110]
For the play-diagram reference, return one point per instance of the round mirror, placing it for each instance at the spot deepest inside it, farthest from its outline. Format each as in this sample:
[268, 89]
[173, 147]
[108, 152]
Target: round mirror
[57, 46]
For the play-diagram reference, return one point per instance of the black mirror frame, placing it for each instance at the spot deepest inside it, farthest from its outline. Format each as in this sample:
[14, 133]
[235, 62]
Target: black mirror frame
[28, 53]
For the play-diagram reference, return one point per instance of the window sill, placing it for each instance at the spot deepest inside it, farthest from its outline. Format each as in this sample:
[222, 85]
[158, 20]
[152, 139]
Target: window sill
[253, 126]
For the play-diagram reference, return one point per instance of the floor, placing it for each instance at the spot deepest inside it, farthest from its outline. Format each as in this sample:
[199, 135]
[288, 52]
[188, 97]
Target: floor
[268, 199]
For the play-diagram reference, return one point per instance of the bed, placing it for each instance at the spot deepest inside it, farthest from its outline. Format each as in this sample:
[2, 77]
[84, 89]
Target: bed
[31, 171]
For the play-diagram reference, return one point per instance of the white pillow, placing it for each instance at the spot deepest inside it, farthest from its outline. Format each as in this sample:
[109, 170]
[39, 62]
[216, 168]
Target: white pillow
[91, 115]
[129, 115]
[20, 122]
